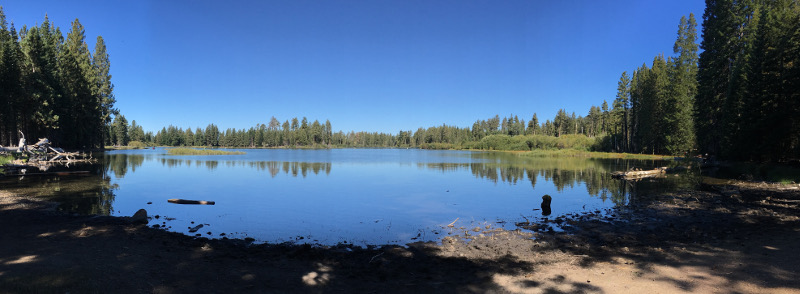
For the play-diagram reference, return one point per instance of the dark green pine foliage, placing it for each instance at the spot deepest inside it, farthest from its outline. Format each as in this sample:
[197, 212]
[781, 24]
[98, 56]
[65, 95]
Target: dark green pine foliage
[651, 108]
[747, 101]
[81, 113]
[102, 88]
[11, 90]
[723, 26]
[678, 120]
[41, 86]
[636, 93]
[621, 114]
[120, 128]
[770, 126]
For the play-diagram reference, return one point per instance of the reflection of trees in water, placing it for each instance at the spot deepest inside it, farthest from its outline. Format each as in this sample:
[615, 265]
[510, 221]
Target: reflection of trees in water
[594, 174]
[119, 164]
[90, 193]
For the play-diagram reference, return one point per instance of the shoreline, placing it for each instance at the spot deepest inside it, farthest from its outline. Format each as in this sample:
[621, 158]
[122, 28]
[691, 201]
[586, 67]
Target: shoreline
[723, 238]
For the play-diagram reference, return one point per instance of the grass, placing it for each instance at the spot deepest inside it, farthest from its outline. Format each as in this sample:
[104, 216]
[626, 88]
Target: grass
[6, 159]
[191, 151]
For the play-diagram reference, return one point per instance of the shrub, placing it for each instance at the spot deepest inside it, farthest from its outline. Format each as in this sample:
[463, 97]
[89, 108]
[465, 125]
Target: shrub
[137, 145]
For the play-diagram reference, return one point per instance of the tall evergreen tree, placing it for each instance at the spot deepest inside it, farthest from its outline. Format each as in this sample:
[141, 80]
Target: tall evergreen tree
[120, 128]
[79, 108]
[102, 88]
[678, 120]
[11, 90]
[621, 111]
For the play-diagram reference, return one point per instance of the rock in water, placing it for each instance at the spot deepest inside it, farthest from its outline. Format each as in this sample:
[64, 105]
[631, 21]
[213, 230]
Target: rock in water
[140, 217]
[196, 228]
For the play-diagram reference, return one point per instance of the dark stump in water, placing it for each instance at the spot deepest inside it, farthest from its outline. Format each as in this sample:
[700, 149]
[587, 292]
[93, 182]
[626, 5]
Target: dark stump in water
[546, 199]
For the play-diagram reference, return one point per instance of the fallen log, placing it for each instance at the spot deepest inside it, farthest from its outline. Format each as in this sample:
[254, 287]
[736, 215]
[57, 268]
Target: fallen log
[184, 201]
[636, 174]
[640, 174]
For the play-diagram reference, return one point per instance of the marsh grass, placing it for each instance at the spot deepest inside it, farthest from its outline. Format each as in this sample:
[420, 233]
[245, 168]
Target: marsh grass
[191, 151]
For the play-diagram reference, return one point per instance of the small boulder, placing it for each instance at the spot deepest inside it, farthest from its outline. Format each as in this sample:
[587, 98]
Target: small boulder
[140, 217]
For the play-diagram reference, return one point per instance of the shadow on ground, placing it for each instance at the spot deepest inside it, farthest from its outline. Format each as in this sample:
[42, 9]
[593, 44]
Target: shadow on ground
[734, 238]
[729, 238]
[46, 252]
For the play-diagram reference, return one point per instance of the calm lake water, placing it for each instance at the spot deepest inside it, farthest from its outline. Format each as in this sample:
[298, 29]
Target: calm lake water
[358, 196]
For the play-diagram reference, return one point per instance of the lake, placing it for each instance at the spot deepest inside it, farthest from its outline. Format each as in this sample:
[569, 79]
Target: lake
[354, 196]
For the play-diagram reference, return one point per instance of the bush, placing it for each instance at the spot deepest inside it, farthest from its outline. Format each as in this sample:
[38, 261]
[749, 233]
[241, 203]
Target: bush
[438, 146]
[137, 145]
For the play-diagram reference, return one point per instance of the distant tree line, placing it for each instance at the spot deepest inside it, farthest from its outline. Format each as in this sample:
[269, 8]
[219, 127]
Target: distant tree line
[737, 99]
[52, 86]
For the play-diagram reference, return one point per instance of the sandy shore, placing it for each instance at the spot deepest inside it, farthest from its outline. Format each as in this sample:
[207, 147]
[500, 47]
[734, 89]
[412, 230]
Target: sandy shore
[740, 238]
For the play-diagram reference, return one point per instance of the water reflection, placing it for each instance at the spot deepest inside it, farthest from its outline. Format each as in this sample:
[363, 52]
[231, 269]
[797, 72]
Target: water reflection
[90, 193]
[120, 164]
[381, 194]
[564, 173]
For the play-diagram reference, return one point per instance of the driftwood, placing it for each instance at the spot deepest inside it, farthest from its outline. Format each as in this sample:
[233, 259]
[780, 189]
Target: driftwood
[635, 174]
[184, 201]
[41, 156]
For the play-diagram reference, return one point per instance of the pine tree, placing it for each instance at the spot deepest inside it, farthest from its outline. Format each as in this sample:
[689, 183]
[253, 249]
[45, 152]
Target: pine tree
[11, 91]
[621, 109]
[80, 109]
[120, 128]
[678, 121]
[650, 106]
[103, 89]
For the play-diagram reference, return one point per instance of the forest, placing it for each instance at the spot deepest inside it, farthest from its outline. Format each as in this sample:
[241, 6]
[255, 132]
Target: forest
[53, 87]
[734, 95]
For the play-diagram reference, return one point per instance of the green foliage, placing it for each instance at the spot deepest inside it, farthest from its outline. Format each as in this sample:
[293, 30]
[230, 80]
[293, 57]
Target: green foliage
[54, 87]
[749, 73]
[191, 151]
[533, 142]
[6, 159]
[137, 145]
[120, 130]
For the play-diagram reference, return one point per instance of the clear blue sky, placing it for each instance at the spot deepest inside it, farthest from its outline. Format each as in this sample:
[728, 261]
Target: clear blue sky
[364, 65]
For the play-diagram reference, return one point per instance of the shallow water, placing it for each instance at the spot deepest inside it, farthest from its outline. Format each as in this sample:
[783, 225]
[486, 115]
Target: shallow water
[358, 196]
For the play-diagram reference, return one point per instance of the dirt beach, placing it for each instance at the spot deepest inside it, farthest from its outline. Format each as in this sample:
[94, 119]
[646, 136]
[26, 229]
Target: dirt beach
[724, 238]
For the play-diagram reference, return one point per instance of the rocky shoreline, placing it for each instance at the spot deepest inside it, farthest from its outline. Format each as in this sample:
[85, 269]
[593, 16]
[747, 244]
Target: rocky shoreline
[722, 238]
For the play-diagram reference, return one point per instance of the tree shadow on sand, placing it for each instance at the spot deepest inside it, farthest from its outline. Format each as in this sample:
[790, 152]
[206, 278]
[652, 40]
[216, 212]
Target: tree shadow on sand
[729, 236]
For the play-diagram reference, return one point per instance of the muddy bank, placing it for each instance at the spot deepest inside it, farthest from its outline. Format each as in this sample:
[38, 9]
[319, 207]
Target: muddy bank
[724, 238]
